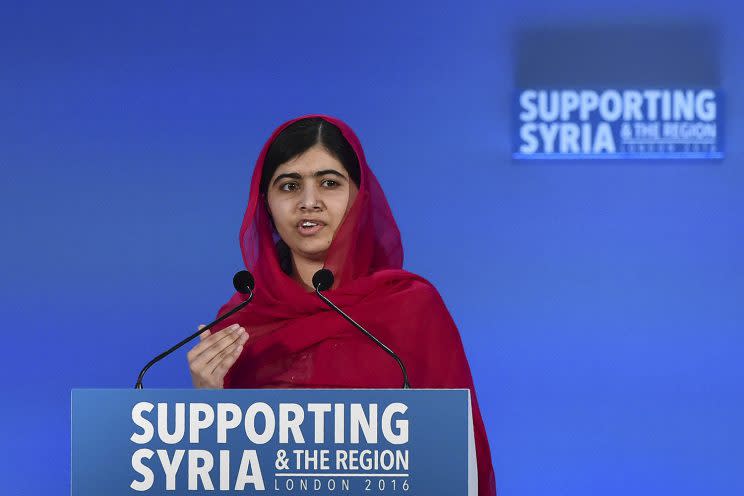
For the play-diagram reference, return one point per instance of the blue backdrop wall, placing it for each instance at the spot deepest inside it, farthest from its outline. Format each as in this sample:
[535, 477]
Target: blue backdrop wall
[600, 303]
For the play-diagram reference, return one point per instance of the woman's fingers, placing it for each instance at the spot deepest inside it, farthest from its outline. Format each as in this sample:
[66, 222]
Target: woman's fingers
[229, 354]
[217, 348]
[213, 356]
[241, 338]
[210, 341]
[223, 366]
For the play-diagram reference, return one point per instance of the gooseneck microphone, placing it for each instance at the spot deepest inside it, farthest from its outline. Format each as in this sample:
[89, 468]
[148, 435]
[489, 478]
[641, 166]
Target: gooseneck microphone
[323, 280]
[244, 283]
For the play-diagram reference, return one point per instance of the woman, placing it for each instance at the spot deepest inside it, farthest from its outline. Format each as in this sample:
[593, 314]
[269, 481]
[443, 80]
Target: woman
[315, 203]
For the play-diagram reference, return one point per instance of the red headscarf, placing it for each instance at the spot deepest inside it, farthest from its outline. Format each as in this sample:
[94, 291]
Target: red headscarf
[297, 341]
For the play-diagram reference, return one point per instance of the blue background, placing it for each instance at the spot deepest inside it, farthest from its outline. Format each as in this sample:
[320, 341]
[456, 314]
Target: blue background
[600, 303]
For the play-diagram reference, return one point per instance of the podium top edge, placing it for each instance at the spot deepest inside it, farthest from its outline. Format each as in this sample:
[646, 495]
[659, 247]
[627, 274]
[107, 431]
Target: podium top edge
[266, 389]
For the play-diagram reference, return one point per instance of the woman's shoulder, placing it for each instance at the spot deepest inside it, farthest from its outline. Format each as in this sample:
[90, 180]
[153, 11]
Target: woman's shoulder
[415, 300]
[402, 283]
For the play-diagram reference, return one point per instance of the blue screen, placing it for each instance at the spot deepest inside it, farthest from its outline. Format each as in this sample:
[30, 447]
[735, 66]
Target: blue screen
[599, 302]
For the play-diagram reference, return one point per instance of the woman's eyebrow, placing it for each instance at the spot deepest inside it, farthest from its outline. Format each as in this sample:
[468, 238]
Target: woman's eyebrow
[329, 171]
[291, 175]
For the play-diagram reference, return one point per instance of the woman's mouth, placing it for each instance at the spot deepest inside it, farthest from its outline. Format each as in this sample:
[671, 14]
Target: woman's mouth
[309, 227]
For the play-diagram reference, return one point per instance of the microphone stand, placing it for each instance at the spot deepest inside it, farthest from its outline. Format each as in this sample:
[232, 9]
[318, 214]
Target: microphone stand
[175, 347]
[390, 352]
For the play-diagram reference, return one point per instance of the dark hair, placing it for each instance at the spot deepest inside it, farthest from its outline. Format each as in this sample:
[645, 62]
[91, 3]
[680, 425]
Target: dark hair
[302, 135]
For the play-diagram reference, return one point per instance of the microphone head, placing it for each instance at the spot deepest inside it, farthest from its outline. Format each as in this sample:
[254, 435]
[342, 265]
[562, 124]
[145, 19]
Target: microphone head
[323, 279]
[243, 282]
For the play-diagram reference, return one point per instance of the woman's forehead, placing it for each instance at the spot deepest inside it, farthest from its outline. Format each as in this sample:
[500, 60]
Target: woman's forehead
[314, 160]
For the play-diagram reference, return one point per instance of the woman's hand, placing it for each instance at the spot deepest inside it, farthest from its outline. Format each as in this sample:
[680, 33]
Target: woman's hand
[210, 360]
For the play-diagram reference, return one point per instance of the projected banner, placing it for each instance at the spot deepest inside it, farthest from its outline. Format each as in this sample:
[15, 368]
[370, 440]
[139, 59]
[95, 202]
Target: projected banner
[647, 123]
[272, 441]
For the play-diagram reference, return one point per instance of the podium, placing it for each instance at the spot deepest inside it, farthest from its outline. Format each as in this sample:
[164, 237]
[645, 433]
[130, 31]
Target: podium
[273, 441]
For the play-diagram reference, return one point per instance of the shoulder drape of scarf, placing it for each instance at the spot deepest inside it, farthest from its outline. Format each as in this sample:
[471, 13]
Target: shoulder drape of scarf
[298, 342]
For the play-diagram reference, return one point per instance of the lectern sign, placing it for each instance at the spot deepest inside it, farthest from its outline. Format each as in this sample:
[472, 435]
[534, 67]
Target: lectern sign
[614, 123]
[270, 441]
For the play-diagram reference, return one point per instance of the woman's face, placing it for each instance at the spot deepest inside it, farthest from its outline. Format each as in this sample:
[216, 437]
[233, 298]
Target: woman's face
[308, 197]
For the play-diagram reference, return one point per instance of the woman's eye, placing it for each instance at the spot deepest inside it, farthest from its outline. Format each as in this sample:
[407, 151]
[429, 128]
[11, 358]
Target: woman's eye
[329, 183]
[288, 187]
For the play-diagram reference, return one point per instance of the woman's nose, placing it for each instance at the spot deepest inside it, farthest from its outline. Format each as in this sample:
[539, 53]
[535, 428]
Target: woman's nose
[310, 199]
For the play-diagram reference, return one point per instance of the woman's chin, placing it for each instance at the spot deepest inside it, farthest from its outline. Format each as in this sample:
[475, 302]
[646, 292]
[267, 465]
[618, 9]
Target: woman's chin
[313, 252]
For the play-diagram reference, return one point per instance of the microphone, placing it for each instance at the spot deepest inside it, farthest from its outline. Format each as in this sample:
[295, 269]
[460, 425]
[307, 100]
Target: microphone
[244, 283]
[323, 280]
